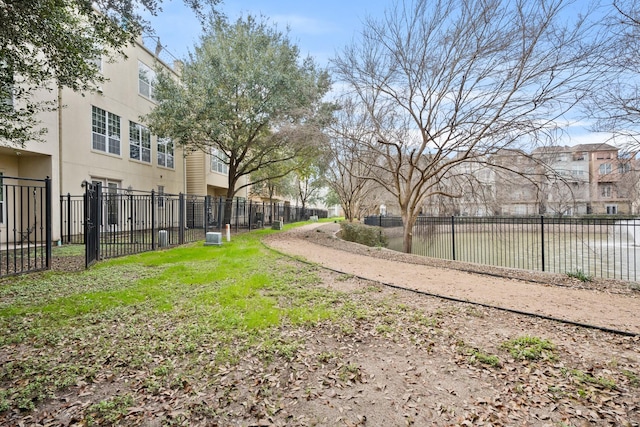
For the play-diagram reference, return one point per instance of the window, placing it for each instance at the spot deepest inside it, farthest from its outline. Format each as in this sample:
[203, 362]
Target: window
[219, 161]
[605, 191]
[139, 143]
[146, 81]
[165, 152]
[105, 131]
[624, 168]
[605, 168]
[612, 209]
[111, 197]
[97, 61]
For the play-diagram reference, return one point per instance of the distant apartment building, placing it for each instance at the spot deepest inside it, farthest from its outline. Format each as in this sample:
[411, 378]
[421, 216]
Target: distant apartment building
[613, 179]
[576, 180]
[563, 180]
[556, 180]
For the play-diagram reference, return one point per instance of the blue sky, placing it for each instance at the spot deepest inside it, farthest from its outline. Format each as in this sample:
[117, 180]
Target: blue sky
[319, 28]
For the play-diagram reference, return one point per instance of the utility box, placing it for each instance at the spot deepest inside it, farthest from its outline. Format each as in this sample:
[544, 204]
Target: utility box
[163, 238]
[213, 238]
[277, 225]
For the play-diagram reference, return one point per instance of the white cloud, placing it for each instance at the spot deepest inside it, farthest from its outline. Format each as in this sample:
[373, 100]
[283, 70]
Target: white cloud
[304, 25]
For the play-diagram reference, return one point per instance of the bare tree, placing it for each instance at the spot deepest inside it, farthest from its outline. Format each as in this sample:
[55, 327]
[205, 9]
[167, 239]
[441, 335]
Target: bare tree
[616, 106]
[308, 183]
[347, 175]
[440, 83]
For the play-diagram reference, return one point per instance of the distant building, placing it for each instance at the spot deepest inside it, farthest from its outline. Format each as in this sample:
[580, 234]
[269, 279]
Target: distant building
[556, 180]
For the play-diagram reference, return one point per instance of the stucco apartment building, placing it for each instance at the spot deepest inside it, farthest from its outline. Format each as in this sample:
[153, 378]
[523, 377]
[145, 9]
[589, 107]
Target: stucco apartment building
[100, 137]
[589, 179]
[570, 180]
[558, 180]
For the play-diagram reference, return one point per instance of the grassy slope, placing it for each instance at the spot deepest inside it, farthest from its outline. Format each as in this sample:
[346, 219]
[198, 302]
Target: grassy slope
[132, 308]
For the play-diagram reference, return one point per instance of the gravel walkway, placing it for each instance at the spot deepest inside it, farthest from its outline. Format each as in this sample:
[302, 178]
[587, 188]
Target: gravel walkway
[605, 304]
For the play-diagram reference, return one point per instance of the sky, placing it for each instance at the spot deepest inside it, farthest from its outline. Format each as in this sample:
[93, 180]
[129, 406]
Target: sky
[320, 28]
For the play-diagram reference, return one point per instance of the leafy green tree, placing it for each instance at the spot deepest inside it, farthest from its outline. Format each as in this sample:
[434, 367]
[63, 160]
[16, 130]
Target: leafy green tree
[245, 92]
[268, 182]
[308, 184]
[46, 44]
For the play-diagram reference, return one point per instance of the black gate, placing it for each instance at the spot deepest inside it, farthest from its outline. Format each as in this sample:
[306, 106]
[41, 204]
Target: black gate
[92, 215]
[25, 225]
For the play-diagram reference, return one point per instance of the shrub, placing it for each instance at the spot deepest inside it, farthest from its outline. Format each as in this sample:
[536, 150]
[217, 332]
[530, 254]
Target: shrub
[580, 275]
[363, 234]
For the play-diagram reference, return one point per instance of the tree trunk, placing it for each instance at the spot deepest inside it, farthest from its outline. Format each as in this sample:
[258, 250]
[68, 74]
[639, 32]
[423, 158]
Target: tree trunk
[407, 239]
[407, 233]
[228, 209]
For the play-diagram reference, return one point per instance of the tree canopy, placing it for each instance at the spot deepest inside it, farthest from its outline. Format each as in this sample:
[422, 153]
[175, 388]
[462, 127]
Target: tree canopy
[54, 43]
[440, 83]
[615, 107]
[245, 92]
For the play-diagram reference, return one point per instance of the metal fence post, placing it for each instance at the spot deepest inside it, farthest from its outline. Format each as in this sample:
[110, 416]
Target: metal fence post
[207, 213]
[61, 218]
[181, 218]
[48, 209]
[453, 237]
[237, 211]
[68, 218]
[542, 238]
[153, 220]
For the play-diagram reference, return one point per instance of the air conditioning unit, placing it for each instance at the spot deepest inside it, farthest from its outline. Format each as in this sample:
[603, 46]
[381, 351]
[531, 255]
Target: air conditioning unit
[163, 238]
[213, 238]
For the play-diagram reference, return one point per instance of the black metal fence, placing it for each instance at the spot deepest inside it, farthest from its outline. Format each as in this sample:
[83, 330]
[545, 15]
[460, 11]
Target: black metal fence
[25, 225]
[134, 221]
[599, 247]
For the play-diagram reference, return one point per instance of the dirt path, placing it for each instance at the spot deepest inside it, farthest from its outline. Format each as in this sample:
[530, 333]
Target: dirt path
[599, 308]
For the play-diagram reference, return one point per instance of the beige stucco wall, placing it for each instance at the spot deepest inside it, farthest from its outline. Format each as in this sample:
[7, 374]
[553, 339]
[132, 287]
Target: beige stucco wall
[120, 96]
[201, 180]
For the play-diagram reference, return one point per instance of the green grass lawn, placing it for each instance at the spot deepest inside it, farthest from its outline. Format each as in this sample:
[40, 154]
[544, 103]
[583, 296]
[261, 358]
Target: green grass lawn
[130, 311]
[238, 334]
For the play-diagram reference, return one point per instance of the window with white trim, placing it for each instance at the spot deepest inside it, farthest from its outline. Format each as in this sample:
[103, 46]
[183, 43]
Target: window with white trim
[146, 81]
[219, 161]
[624, 168]
[605, 168]
[105, 128]
[165, 152]
[139, 143]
